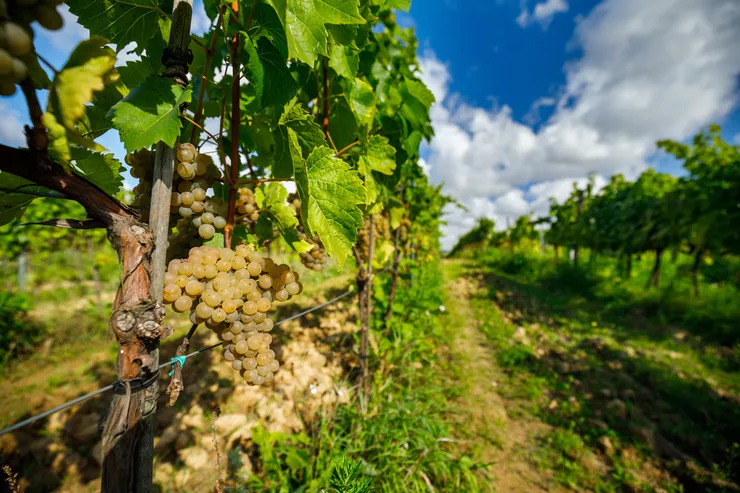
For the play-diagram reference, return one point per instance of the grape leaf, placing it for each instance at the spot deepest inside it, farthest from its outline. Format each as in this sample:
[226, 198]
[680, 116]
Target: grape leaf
[287, 152]
[283, 216]
[12, 204]
[380, 155]
[383, 252]
[396, 214]
[371, 188]
[334, 190]
[273, 83]
[218, 240]
[304, 22]
[342, 124]
[135, 72]
[150, 114]
[95, 123]
[265, 22]
[362, 101]
[404, 5]
[124, 21]
[103, 170]
[344, 61]
[89, 67]
[418, 90]
[310, 135]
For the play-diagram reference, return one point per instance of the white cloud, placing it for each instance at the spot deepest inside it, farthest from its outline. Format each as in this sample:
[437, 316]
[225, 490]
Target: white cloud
[649, 70]
[200, 22]
[542, 13]
[736, 139]
[11, 126]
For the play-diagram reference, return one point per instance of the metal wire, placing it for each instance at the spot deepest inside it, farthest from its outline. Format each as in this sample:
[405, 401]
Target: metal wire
[33, 419]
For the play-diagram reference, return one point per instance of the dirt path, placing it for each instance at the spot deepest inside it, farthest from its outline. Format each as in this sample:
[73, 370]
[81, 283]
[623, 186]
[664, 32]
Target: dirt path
[499, 440]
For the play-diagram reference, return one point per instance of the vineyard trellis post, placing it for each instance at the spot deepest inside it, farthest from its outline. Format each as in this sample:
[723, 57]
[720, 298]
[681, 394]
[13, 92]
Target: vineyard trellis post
[128, 434]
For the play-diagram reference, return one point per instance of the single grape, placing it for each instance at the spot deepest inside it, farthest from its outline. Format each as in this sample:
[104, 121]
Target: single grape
[226, 336]
[254, 268]
[185, 269]
[250, 308]
[219, 222]
[243, 251]
[186, 170]
[273, 365]
[258, 380]
[236, 327]
[263, 359]
[197, 207]
[212, 206]
[254, 342]
[212, 298]
[250, 363]
[171, 293]
[268, 324]
[183, 303]
[199, 271]
[254, 295]
[239, 264]
[203, 310]
[242, 347]
[251, 375]
[181, 281]
[185, 211]
[17, 40]
[218, 315]
[263, 305]
[282, 295]
[48, 17]
[222, 265]
[287, 277]
[169, 278]
[236, 364]
[206, 231]
[6, 63]
[211, 271]
[228, 356]
[199, 194]
[259, 317]
[186, 152]
[265, 282]
[193, 288]
[229, 306]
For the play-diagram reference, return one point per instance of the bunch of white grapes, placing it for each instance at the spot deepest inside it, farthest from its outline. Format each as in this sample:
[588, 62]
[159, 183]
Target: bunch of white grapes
[142, 168]
[231, 291]
[16, 43]
[315, 258]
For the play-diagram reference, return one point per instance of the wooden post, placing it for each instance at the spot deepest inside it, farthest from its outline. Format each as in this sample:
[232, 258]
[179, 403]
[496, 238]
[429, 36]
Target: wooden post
[128, 436]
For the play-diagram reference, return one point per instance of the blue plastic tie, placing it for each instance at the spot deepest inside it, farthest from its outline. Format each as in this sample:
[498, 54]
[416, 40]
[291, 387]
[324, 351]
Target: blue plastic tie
[177, 359]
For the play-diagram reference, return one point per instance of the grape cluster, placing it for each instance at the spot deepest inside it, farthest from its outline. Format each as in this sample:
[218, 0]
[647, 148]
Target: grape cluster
[16, 44]
[142, 168]
[315, 258]
[231, 291]
[195, 174]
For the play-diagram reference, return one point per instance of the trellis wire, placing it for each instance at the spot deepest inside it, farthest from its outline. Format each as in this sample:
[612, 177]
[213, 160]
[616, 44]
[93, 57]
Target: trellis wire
[71, 403]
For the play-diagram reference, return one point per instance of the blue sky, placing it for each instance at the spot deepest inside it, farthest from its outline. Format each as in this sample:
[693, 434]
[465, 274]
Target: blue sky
[534, 94]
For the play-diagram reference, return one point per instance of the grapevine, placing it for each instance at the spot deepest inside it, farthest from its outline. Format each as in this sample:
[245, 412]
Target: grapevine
[315, 258]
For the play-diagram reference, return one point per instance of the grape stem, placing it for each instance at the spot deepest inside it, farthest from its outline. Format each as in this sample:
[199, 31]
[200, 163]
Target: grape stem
[177, 385]
[36, 138]
[198, 126]
[46, 62]
[347, 147]
[258, 181]
[235, 124]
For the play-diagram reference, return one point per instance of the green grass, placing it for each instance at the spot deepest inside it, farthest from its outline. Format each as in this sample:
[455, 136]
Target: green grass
[605, 361]
[402, 442]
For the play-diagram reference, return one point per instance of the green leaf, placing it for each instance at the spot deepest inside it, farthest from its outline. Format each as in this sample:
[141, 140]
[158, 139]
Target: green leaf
[103, 170]
[310, 135]
[371, 188]
[136, 72]
[342, 124]
[418, 90]
[263, 229]
[265, 22]
[383, 252]
[217, 241]
[89, 67]
[124, 21]
[396, 215]
[404, 5]
[380, 155]
[58, 143]
[150, 114]
[273, 83]
[304, 22]
[344, 61]
[13, 205]
[283, 216]
[334, 190]
[362, 101]
[287, 152]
